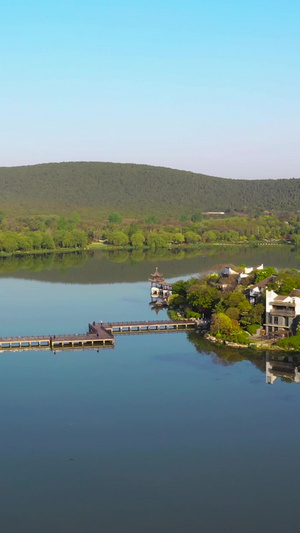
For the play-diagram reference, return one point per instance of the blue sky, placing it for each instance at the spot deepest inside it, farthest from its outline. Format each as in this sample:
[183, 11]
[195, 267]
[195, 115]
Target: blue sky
[208, 86]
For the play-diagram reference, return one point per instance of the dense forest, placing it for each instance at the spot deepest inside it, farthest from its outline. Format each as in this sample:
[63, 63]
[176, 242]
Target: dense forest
[95, 189]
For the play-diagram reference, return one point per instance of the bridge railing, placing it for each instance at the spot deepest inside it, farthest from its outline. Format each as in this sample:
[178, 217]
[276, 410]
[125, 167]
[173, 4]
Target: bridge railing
[25, 338]
[140, 322]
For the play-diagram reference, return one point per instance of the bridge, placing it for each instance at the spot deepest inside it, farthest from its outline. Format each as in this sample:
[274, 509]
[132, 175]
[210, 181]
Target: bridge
[142, 326]
[99, 335]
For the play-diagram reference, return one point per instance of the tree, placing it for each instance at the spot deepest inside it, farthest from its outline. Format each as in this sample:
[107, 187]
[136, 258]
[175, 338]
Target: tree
[80, 238]
[235, 299]
[36, 238]
[257, 314]
[64, 239]
[230, 236]
[196, 217]
[69, 240]
[138, 239]
[48, 242]
[219, 307]
[119, 238]
[156, 240]
[24, 243]
[264, 273]
[115, 218]
[184, 218]
[203, 297]
[133, 228]
[191, 236]
[177, 238]
[176, 301]
[295, 239]
[233, 313]
[221, 324]
[180, 287]
[62, 223]
[151, 219]
[286, 281]
[58, 237]
[209, 236]
[75, 218]
[9, 242]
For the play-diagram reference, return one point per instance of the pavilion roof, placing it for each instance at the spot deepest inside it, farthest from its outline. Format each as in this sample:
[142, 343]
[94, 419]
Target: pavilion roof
[157, 276]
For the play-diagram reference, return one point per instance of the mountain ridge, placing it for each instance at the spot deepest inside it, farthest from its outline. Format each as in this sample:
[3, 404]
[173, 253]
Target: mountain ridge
[136, 190]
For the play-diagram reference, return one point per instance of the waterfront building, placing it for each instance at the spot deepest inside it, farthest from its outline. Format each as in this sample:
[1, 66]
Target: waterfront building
[282, 311]
[160, 289]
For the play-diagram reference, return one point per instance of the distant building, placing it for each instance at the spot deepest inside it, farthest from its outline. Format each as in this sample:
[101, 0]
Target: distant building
[228, 271]
[282, 312]
[230, 278]
[213, 213]
[248, 270]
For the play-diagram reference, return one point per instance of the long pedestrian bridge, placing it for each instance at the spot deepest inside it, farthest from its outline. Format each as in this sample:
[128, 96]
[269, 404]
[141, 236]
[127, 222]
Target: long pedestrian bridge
[99, 335]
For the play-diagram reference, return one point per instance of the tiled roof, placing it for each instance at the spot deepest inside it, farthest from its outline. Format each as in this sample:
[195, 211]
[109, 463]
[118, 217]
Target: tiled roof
[280, 297]
[264, 282]
[295, 292]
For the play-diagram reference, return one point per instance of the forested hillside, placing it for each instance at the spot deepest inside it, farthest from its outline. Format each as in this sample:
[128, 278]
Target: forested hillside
[136, 190]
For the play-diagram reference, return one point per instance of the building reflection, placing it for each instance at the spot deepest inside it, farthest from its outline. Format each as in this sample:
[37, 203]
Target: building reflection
[287, 368]
[282, 365]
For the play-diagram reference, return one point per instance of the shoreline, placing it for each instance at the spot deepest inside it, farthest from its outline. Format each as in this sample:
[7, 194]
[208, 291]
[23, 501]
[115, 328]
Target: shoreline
[260, 346]
[110, 247]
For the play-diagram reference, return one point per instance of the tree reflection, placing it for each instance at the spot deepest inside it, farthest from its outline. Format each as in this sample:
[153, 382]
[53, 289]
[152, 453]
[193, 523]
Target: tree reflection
[225, 355]
[275, 365]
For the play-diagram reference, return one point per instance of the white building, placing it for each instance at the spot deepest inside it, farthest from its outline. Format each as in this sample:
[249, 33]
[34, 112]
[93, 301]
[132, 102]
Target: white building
[248, 270]
[282, 311]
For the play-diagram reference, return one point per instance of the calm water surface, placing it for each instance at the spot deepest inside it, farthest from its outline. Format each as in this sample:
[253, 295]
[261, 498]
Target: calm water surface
[158, 435]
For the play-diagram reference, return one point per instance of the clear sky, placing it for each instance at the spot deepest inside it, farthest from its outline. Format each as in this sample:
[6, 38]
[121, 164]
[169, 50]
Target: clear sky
[210, 86]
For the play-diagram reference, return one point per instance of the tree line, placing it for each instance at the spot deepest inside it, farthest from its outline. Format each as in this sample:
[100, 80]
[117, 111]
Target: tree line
[50, 232]
[226, 230]
[32, 241]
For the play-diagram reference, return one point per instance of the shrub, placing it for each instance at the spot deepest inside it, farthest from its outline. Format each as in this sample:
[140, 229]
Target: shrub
[290, 342]
[192, 314]
[252, 328]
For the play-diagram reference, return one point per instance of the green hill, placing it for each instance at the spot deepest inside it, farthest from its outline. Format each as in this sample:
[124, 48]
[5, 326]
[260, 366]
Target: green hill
[135, 190]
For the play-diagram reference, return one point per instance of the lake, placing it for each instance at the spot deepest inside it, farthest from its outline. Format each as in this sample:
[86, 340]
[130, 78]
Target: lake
[164, 433]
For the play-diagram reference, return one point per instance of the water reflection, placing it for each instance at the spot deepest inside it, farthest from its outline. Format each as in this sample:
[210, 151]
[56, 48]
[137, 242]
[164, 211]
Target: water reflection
[225, 355]
[285, 367]
[133, 266]
[39, 262]
[162, 440]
